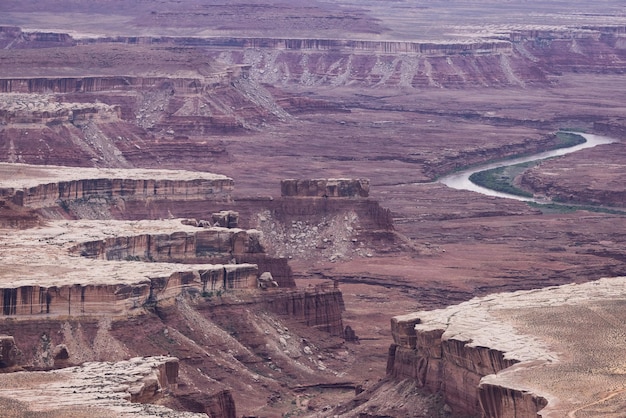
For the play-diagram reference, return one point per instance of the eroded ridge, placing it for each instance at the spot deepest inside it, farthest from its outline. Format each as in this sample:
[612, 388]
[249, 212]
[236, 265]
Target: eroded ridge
[124, 388]
[521, 353]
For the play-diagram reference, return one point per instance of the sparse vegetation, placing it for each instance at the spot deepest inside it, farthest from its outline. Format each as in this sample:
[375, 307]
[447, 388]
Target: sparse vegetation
[501, 179]
[569, 208]
[569, 139]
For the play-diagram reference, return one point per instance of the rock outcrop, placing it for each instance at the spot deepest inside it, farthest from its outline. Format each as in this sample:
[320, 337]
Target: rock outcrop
[48, 186]
[358, 188]
[28, 109]
[125, 388]
[90, 283]
[320, 307]
[215, 244]
[8, 352]
[519, 354]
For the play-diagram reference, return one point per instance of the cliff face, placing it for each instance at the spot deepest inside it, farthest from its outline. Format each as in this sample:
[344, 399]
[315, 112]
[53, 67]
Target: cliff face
[49, 186]
[318, 307]
[116, 300]
[325, 188]
[518, 354]
[207, 245]
[213, 243]
[454, 368]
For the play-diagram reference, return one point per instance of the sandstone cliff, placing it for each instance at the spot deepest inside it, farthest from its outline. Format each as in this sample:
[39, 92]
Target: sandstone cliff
[318, 307]
[325, 188]
[48, 186]
[497, 356]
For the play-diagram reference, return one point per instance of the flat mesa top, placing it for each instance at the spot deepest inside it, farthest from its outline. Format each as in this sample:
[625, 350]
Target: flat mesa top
[19, 176]
[569, 341]
[40, 256]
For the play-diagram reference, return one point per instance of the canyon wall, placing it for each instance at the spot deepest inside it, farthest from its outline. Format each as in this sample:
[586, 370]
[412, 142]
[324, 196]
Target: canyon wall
[519, 354]
[207, 245]
[213, 243]
[125, 189]
[350, 45]
[320, 307]
[29, 301]
[454, 367]
[514, 57]
[120, 83]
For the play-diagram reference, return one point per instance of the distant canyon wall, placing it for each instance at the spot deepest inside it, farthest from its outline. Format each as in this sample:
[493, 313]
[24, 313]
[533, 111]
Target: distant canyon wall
[115, 83]
[515, 57]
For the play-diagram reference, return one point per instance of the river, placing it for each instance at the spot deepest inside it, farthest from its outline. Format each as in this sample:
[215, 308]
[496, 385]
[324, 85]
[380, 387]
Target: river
[460, 179]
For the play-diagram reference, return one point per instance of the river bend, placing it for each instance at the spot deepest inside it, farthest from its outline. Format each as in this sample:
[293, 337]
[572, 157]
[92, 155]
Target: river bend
[460, 179]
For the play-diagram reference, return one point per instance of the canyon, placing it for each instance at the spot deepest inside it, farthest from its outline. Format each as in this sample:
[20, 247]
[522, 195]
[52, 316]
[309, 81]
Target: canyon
[217, 209]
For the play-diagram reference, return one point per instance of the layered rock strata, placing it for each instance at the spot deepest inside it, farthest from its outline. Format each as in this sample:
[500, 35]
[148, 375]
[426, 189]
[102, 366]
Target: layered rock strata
[185, 245]
[114, 83]
[27, 109]
[325, 188]
[320, 307]
[125, 388]
[521, 354]
[48, 186]
[41, 278]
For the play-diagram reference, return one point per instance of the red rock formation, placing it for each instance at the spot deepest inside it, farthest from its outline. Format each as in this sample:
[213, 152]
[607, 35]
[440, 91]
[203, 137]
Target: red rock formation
[452, 367]
[498, 401]
[84, 300]
[209, 244]
[136, 186]
[319, 307]
[325, 188]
